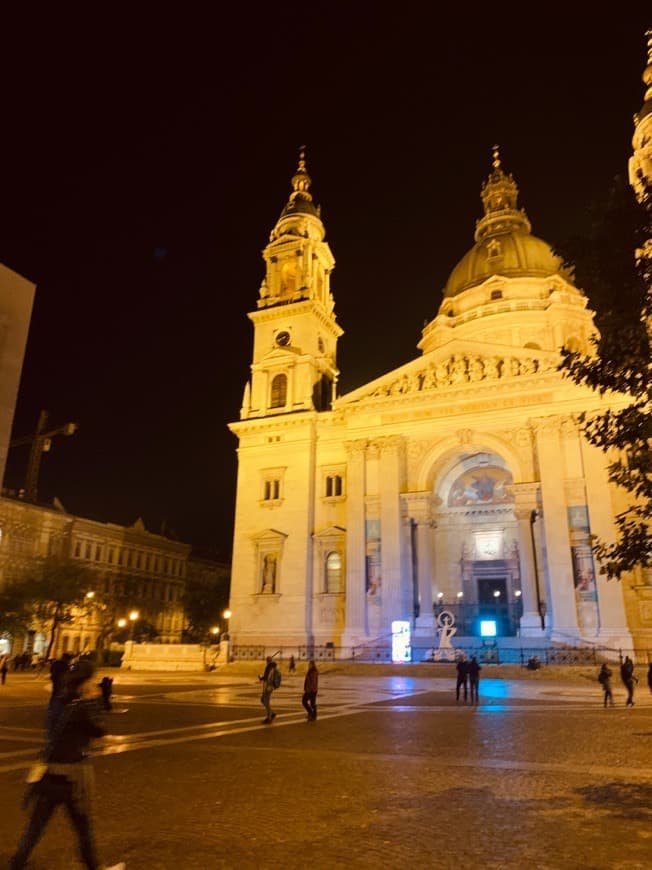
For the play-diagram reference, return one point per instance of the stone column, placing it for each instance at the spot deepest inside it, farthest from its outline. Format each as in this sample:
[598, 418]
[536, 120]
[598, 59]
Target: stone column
[526, 502]
[355, 629]
[420, 508]
[561, 617]
[391, 530]
[613, 630]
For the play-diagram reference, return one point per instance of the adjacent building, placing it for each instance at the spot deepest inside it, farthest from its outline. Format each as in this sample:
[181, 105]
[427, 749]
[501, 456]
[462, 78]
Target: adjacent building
[129, 569]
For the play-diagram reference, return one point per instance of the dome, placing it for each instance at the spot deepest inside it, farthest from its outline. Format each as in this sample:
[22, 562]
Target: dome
[504, 244]
[512, 254]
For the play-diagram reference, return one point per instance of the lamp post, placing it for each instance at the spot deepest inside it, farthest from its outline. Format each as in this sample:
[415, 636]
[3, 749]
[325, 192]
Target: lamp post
[533, 518]
[226, 616]
[215, 631]
[133, 616]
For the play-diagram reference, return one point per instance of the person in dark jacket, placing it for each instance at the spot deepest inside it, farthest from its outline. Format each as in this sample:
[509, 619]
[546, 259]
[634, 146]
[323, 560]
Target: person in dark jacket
[628, 678]
[106, 688]
[604, 678]
[462, 669]
[58, 670]
[74, 717]
[474, 679]
[310, 689]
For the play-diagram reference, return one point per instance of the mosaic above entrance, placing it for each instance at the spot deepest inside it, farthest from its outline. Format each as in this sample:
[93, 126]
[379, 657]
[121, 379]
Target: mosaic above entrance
[486, 485]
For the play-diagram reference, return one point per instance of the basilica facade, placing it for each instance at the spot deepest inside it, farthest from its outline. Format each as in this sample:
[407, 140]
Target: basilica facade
[459, 481]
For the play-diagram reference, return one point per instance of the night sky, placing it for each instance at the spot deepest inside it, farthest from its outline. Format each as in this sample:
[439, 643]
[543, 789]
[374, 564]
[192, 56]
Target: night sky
[147, 155]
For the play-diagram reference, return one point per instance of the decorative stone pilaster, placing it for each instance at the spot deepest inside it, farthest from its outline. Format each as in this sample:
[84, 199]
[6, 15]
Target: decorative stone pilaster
[356, 621]
[613, 628]
[393, 542]
[561, 607]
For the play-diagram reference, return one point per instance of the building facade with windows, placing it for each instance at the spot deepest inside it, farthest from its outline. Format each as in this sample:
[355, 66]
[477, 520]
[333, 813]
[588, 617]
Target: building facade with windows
[460, 480]
[128, 568]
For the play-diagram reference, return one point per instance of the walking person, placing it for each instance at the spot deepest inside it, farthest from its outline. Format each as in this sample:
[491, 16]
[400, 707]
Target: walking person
[649, 677]
[292, 665]
[74, 718]
[310, 689]
[4, 667]
[58, 670]
[462, 669]
[106, 688]
[604, 678]
[271, 679]
[628, 678]
[474, 679]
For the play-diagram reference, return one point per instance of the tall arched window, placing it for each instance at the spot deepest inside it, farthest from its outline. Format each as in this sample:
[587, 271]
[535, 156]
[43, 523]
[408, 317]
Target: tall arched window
[279, 391]
[333, 572]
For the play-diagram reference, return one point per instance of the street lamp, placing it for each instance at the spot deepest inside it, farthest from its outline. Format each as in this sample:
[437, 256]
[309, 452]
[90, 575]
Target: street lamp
[227, 615]
[122, 623]
[215, 632]
[133, 616]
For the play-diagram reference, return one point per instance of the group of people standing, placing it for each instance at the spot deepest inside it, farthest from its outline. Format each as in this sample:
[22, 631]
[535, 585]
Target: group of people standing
[468, 679]
[271, 680]
[628, 678]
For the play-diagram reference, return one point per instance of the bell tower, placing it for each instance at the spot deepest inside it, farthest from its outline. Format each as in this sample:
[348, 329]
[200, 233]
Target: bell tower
[295, 331]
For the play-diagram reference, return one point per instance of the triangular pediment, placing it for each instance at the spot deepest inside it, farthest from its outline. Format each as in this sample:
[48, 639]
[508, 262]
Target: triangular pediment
[330, 532]
[269, 535]
[459, 365]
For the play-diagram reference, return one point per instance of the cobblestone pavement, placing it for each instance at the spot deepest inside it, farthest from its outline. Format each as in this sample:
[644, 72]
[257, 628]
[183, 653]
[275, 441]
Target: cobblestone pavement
[393, 774]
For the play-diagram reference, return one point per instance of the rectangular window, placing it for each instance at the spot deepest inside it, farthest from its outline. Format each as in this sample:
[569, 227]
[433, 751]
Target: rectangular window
[110, 556]
[272, 490]
[87, 551]
[98, 552]
[334, 486]
[148, 562]
[77, 552]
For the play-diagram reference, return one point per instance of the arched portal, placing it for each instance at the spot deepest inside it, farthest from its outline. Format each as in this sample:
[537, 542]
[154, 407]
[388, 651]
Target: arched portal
[476, 544]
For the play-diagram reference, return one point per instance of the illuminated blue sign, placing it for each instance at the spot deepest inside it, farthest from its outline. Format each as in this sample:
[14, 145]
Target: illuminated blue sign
[487, 628]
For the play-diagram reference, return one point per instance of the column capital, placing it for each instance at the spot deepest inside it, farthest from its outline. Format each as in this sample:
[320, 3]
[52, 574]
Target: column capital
[357, 448]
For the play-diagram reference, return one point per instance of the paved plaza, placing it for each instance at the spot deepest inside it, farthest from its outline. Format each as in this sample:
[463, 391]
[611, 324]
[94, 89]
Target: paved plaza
[393, 774]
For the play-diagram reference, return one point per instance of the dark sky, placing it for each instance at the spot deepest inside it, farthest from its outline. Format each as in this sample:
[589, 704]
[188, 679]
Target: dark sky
[147, 155]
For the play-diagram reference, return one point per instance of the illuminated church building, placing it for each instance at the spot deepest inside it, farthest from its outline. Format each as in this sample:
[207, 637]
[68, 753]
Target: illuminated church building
[458, 480]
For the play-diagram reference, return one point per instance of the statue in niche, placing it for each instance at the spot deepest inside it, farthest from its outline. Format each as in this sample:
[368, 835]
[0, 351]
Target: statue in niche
[269, 573]
[527, 367]
[441, 373]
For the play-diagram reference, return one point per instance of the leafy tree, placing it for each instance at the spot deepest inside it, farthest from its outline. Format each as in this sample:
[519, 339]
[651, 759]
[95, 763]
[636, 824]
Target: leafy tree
[205, 598]
[614, 265]
[15, 615]
[56, 593]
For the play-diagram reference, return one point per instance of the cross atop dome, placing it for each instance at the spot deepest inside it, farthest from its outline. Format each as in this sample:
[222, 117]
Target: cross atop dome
[500, 199]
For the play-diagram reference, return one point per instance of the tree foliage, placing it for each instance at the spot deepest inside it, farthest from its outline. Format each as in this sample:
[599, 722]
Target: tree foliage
[613, 264]
[54, 593]
[204, 600]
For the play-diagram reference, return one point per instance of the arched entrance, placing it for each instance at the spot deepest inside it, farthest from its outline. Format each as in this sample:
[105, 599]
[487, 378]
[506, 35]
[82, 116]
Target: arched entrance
[477, 561]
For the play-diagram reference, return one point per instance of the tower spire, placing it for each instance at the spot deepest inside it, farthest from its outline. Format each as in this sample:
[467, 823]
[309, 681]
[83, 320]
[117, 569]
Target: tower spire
[500, 200]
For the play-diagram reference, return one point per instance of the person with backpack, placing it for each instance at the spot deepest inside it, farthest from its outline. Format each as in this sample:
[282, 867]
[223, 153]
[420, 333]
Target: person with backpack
[604, 678]
[271, 679]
